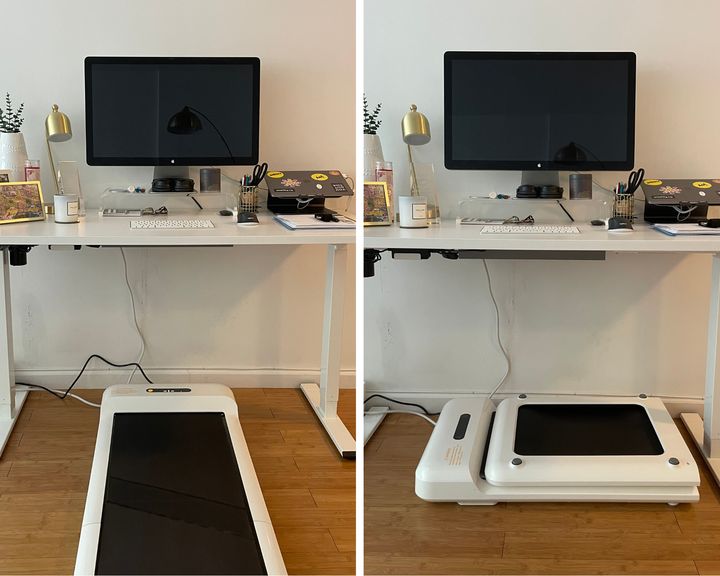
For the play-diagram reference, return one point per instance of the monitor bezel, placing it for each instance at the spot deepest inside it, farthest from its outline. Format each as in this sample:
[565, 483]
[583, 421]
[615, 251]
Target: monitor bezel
[94, 160]
[540, 164]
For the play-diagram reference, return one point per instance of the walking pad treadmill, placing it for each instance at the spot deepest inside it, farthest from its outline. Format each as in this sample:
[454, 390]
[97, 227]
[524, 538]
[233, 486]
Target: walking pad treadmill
[556, 448]
[172, 488]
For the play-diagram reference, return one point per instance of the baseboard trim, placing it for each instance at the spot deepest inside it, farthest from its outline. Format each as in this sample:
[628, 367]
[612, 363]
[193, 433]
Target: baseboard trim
[434, 401]
[103, 378]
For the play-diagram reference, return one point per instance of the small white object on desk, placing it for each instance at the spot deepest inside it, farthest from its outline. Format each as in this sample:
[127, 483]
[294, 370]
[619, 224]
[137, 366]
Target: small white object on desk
[67, 208]
[413, 212]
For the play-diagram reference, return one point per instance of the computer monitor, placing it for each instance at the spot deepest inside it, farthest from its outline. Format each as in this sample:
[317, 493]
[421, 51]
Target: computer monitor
[172, 112]
[539, 111]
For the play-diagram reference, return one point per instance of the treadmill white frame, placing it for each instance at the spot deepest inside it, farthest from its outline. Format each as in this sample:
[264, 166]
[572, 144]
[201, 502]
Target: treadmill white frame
[200, 398]
[449, 470]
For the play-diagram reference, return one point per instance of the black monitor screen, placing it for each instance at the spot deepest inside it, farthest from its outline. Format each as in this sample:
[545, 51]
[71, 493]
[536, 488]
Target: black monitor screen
[172, 111]
[539, 110]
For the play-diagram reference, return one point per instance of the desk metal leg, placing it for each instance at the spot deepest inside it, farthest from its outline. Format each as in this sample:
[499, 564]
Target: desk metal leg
[706, 431]
[11, 402]
[324, 398]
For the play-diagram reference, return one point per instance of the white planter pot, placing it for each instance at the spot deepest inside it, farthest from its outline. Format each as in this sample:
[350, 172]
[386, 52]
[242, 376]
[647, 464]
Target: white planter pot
[373, 153]
[13, 154]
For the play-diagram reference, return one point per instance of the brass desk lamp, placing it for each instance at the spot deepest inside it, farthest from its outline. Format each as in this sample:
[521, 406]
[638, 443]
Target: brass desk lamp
[416, 132]
[57, 129]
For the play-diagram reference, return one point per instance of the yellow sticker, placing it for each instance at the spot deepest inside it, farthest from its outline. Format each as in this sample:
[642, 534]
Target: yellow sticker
[275, 174]
[319, 177]
[653, 182]
[702, 185]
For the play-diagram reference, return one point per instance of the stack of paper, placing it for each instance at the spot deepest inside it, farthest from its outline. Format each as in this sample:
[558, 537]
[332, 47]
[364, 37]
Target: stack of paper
[309, 222]
[677, 229]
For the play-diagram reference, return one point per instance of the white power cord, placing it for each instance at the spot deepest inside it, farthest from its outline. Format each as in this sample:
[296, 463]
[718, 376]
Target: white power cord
[50, 390]
[135, 320]
[405, 412]
[497, 332]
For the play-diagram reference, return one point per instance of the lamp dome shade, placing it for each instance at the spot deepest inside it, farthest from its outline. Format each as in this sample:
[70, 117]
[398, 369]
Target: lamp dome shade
[57, 126]
[184, 122]
[415, 128]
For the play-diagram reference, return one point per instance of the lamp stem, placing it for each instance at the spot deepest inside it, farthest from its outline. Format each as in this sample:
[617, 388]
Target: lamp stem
[52, 164]
[413, 177]
[216, 130]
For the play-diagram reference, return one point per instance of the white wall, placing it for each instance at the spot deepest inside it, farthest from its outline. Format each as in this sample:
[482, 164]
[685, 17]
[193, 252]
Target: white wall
[630, 324]
[249, 316]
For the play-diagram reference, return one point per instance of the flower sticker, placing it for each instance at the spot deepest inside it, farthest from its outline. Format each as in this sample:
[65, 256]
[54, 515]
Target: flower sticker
[291, 182]
[670, 190]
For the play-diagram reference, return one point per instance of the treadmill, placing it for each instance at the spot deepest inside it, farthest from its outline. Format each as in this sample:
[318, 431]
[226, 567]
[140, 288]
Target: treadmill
[172, 488]
[556, 449]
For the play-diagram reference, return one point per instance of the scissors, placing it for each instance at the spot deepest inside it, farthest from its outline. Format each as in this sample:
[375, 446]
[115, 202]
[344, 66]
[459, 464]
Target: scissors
[634, 180]
[258, 174]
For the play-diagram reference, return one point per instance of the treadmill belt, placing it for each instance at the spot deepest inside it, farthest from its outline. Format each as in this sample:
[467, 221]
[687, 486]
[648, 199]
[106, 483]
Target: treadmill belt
[174, 499]
[585, 430]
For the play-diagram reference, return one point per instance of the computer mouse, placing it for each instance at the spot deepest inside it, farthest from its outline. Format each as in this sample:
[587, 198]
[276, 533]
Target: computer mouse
[618, 224]
[225, 212]
[247, 219]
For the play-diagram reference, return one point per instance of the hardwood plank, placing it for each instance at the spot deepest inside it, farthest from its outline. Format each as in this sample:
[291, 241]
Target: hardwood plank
[45, 469]
[406, 535]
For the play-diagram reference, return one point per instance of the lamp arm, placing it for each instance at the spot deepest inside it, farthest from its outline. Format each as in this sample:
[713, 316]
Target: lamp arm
[413, 177]
[52, 164]
[216, 130]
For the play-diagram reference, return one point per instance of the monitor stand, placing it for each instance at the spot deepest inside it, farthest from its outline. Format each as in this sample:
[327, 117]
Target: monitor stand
[171, 172]
[540, 178]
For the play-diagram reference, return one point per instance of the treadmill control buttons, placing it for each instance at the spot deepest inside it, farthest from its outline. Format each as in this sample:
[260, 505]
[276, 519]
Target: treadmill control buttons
[674, 461]
[158, 390]
[461, 427]
[516, 461]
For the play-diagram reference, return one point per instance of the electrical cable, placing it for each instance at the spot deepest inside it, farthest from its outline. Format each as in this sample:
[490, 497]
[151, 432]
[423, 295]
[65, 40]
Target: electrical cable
[57, 393]
[683, 215]
[497, 332]
[423, 416]
[134, 313]
[425, 410]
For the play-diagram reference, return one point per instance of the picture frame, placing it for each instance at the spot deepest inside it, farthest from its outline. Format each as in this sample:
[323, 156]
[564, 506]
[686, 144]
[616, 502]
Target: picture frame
[21, 202]
[376, 204]
[4, 175]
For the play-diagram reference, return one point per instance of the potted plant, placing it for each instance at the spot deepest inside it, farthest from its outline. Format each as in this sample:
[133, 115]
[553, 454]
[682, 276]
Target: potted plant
[12, 143]
[371, 141]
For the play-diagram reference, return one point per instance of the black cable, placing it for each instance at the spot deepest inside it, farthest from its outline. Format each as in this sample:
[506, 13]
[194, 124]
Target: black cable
[425, 410]
[56, 394]
[64, 394]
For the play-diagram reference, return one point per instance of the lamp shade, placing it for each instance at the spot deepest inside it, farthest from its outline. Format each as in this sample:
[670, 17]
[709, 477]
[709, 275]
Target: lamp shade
[184, 122]
[415, 128]
[57, 126]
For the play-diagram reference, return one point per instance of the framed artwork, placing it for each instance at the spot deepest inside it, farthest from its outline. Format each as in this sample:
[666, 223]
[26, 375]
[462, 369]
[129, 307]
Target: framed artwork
[21, 202]
[376, 203]
[4, 175]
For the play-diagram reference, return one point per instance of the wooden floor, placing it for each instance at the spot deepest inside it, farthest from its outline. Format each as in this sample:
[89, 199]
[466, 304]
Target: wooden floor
[309, 490]
[405, 535]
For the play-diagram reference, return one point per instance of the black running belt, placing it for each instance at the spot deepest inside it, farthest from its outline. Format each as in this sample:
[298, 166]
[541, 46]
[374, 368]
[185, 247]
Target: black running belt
[174, 499]
[585, 430]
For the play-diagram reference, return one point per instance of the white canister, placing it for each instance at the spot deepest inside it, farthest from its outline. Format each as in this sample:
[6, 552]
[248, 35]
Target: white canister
[413, 211]
[67, 208]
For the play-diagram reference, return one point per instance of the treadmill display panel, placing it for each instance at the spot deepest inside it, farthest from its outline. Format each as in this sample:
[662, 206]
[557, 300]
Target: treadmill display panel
[174, 499]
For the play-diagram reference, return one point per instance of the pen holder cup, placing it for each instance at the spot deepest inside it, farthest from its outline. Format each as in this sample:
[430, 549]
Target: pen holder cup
[624, 205]
[247, 199]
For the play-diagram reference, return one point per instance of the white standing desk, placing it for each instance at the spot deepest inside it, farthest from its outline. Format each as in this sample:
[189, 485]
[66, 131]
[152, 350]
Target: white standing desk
[94, 230]
[451, 236]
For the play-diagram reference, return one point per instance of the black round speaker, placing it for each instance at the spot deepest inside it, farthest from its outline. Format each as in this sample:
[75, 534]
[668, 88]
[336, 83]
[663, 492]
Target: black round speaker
[527, 191]
[550, 191]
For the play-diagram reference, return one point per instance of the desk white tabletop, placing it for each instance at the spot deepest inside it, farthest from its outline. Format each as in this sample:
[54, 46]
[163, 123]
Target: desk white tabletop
[452, 236]
[115, 231]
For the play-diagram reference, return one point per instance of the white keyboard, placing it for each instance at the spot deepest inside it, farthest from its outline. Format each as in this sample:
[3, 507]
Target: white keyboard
[515, 229]
[168, 224]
